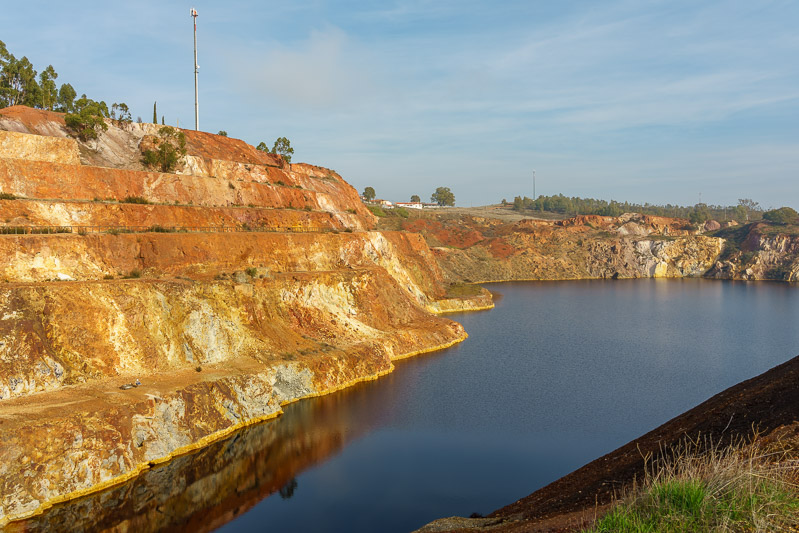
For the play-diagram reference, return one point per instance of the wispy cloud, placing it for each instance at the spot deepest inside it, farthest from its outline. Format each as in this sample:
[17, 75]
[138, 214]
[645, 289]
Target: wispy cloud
[647, 95]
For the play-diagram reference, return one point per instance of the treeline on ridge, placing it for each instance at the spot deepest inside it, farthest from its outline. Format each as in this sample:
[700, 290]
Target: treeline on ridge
[746, 210]
[21, 84]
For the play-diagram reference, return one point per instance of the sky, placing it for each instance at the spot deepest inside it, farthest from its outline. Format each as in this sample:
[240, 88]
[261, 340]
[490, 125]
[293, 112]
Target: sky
[643, 101]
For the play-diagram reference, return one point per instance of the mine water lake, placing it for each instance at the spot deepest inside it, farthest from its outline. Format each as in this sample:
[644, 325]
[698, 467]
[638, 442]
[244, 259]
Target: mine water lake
[557, 375]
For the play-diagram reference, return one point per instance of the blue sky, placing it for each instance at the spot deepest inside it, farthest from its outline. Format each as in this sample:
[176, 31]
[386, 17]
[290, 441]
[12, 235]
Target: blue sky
[645, 101]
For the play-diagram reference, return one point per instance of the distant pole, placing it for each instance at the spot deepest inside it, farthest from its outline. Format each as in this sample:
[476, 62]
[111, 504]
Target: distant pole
[196, 70]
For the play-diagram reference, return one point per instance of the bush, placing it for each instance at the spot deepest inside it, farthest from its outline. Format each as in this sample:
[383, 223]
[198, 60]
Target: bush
[252, 272]
[376, 210]
[783, 215]
[88, 119]
[400, 212]
[171, 147]
[136, 200]
[7, 196]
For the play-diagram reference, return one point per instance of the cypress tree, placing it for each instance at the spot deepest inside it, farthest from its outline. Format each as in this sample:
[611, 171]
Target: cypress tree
[162, 120]
[155, 113]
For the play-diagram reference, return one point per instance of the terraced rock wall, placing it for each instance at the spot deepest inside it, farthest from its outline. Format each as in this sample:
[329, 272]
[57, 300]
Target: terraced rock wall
[228, 288]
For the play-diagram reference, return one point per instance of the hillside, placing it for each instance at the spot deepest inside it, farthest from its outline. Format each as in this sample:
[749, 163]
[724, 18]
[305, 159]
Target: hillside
[479, 247]
[229, 287]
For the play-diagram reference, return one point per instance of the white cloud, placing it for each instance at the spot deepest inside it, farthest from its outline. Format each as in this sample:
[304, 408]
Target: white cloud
[327, 71]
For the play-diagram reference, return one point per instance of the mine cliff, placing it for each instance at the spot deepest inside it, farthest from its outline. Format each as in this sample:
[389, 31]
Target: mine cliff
[228, 287]
[483, 249]
[237, 283]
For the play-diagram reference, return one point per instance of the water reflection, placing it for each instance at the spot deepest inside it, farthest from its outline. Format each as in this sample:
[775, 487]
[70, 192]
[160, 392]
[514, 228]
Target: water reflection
[203, 490]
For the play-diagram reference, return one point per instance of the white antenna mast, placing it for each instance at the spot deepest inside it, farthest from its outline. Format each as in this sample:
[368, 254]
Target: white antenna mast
[196, 70]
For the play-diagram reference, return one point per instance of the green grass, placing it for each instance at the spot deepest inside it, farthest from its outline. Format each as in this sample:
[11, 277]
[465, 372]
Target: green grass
[721, 490]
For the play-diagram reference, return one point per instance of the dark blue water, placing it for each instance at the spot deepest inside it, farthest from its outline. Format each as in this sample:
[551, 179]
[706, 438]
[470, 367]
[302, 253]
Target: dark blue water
[558, 374]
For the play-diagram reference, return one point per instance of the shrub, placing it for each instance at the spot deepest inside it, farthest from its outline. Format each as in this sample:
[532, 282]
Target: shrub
[170, 148]
[88, 119]
[376, 210]
[136, 200]
[783, 215]
[231, 186]
[400, 212]
[135, 274]
[252, 272]
[7, 196]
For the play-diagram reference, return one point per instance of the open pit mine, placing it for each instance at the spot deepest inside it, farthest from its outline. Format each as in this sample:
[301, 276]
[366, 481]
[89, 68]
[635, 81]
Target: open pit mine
[145, 314]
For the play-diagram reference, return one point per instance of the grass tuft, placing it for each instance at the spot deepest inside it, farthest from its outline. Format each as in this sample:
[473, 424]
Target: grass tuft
[737, 488]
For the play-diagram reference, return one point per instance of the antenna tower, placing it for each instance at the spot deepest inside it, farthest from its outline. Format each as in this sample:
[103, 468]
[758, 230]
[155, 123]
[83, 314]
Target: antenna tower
[196, 71]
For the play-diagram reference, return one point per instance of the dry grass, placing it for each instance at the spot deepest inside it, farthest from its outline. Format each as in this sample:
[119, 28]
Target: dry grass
[710, 488]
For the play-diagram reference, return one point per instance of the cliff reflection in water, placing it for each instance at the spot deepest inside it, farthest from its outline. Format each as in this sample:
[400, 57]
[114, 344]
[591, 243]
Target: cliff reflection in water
[203, 490]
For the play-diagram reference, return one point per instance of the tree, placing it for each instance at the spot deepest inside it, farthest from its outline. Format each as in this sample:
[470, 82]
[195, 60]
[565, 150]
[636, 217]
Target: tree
[162, 120]
[783, 215]
[18, 84]
[262, 147]
[121, 113]
[739, 213]
[749, 205]
[170, 148]
[415, 198]
[66, 98]
[369, 194]
[155, 112]
[222, 133]
[700, 214]
[48, 89]
[283, 148]
[443, 196]
[87, 119]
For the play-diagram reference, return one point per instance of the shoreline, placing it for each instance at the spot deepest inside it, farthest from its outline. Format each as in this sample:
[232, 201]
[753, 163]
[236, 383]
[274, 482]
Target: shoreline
[214, 437]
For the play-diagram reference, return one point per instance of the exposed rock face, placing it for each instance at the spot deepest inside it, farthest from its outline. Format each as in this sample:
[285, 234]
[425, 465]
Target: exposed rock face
[222, 325]
[759, 251]
[631, 246]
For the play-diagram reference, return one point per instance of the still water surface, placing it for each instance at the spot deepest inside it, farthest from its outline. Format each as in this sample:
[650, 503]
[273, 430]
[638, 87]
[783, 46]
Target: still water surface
[557, 375]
